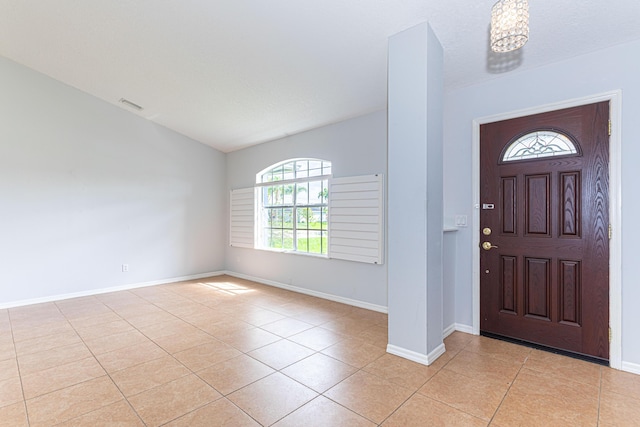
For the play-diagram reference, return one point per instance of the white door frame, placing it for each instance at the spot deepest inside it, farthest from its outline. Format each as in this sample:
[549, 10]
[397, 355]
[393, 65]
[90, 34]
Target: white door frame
[615, 209]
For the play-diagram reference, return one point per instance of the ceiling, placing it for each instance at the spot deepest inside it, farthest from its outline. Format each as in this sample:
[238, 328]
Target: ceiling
[234, 73]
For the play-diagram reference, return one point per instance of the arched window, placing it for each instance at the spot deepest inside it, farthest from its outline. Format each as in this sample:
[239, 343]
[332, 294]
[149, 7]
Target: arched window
[541, 143]
[293, 206]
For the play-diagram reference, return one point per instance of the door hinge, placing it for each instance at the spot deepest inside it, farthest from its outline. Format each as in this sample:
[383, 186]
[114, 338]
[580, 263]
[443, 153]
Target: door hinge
[610, 232]
[609, 334]
[609, 128]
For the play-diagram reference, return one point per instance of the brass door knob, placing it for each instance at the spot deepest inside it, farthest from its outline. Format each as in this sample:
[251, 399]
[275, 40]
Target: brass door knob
[486, 231]
[488, 246]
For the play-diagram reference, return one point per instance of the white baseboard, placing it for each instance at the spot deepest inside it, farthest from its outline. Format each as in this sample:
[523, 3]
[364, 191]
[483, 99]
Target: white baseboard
[633, 368]
[464, 328]
[107, 290]
[439, 351]
[449, 330]
[348, 301]
[424, 359]
[457, 327]
[330, 297]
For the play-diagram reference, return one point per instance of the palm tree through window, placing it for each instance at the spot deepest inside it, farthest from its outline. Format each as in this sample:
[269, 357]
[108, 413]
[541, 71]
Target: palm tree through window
[293, 210]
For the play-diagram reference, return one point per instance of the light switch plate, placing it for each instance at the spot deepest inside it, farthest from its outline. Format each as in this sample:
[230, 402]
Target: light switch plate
[461, 220]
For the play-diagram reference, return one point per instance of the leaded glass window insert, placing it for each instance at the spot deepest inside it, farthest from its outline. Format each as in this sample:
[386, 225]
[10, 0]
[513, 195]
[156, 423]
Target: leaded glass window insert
[542, 143]
[294, 211]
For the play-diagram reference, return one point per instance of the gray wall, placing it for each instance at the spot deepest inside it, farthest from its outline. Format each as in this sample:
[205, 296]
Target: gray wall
[355, 147]
[607, 70]
[86, 187]
[415, 194]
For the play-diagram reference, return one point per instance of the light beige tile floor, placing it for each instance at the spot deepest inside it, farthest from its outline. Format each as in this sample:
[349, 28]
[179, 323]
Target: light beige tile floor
[228, 352]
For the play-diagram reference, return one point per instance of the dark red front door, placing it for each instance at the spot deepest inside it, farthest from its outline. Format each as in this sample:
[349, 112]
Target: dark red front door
[544, 223]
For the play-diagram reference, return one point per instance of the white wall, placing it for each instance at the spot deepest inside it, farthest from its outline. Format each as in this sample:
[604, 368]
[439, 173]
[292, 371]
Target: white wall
[355, 147]
[415, 194]
[449, 268]
[86, 186]
[607, 70]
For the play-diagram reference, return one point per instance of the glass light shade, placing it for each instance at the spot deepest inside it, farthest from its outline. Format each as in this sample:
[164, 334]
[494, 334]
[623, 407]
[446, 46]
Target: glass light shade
[509, 25]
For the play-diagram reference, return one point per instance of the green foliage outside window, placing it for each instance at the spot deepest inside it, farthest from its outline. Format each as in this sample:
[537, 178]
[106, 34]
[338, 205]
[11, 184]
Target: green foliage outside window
[294, 211]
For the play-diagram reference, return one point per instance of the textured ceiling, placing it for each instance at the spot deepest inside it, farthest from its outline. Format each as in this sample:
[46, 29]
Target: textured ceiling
[233, 73]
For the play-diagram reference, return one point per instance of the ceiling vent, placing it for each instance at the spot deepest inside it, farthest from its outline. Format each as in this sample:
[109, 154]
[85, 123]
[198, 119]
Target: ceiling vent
[130, 104]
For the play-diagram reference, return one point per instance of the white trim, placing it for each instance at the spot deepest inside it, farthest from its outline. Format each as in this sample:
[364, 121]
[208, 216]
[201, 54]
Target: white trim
[464, 328]
[633, 368]
[456, 327]
[348, 301]
[424, 359]
[615, 219]
[294, 180]
[475, 224]
[284, 162]
[615, 206]
[108, 290]
[448, 330]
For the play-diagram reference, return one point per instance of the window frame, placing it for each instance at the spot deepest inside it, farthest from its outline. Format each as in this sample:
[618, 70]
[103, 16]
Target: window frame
[263, 208]
[565, 137]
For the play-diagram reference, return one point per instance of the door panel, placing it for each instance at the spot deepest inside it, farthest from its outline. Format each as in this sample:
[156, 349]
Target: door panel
[537, 205]
[545, 278]
[570, 292]
[570, 199]
[537, 288]
[509, 286]
[509, 219]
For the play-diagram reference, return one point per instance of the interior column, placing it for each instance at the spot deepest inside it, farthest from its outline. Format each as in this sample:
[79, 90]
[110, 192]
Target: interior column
[415, 202]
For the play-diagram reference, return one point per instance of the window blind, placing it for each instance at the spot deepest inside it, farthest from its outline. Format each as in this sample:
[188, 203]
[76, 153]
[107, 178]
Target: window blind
[242, 218]
[356, 227]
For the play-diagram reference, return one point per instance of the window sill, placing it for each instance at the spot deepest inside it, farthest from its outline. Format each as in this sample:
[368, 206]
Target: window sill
[284, 251]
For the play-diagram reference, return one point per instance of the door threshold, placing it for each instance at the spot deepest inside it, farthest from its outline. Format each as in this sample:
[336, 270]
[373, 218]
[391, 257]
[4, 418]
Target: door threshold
[586, 358]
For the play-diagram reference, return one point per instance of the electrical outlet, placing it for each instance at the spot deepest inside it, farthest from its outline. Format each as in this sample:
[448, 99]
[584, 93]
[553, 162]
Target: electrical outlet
[125, 268]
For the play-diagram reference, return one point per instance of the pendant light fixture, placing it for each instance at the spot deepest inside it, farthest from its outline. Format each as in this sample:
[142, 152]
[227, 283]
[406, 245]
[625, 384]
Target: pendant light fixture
[509, 25]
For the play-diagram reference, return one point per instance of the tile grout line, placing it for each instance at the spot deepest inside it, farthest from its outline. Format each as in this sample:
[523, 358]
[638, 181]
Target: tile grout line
[168, 354]
[224, 396]
[99, 363]
[125, 398]
[15, 351]
[427, 397]
[291, 307]
[599, 398]
[346, 378]
[341, 381]
[361, 369]
[433, 399]
[245, 353]
[319, 394]
[509, 389]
